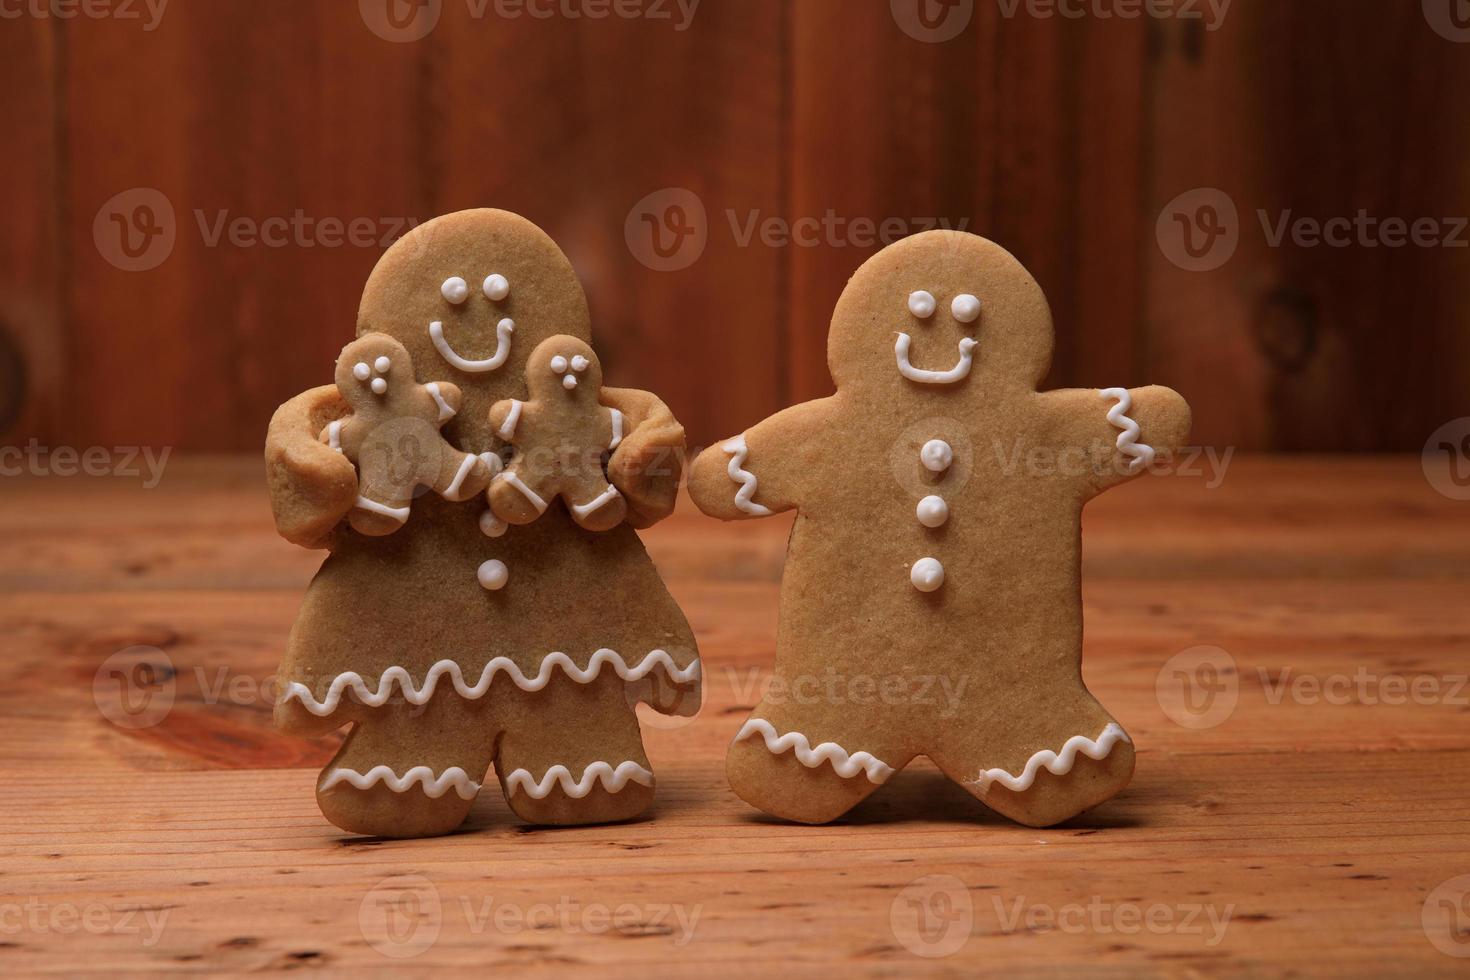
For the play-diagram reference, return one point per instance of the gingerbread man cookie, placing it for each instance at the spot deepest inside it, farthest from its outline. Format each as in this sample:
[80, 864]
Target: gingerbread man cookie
[459, 643]
[393, 435]
[561, 436]
[931, 600]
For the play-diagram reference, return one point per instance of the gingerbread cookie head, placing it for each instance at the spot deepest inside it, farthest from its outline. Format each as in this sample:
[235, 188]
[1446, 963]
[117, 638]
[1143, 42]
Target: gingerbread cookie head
[470, 295]
[941, 312]
[566, 367]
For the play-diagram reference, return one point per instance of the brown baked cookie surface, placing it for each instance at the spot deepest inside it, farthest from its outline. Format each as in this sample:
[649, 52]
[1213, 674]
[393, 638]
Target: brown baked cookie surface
[451, 640]
[931, 599]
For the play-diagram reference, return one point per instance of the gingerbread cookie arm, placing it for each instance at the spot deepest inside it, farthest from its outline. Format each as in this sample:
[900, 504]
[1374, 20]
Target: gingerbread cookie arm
[312, 487]
[761, 471]
[1119, 431]
[647, 459]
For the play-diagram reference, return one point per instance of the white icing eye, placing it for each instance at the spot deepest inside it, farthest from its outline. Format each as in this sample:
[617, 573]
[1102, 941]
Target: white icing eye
[455, 289]
[569, 382]
[921, 304]
[361, 371]
[966, 308]
[493, 575]
[496, 287]
[382, 364]
[558, 364]
[579, 363]
[936, 455]
[380, 386]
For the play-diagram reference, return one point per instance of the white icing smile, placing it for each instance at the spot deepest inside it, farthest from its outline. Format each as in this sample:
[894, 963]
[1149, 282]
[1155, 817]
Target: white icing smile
[959, 372]
[502, 348]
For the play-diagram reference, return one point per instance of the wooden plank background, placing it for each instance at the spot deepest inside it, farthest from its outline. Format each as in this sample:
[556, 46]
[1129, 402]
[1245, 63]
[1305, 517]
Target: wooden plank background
[1062, 138]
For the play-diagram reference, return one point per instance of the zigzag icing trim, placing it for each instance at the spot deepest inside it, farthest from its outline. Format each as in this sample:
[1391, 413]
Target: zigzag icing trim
[433, 786]
[738, 451]
[1128, 444]
[1054, 763]
[844, 764]
[421, 695]
[613, 780]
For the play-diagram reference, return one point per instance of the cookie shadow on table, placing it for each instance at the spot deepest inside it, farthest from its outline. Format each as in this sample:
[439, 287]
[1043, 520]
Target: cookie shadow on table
[918, 795]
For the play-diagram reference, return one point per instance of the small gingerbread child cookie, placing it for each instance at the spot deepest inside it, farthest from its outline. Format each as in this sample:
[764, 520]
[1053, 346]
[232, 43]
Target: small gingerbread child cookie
[561, 435]
[932, 584]
[393, 435]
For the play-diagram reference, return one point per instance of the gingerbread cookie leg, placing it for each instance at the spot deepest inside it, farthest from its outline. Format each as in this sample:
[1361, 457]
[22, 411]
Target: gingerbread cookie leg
[799, 767]
[369, 789]
[1051, 769]
[572, 754]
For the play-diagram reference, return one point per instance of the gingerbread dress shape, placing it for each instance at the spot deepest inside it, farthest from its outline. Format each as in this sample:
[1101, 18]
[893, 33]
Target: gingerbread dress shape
[931, 594]
[561, 436]
[458, 642]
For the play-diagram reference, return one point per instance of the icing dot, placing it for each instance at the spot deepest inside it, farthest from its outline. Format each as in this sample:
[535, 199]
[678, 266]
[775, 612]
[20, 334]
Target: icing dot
[455, 289]
[361, 371]
[492, 527]
[569, 382]
[579, 363]
[493, 461]
[927, 574]
[496, 287]
[936, 455]
[966, 308]
[558, 364]
[493, 574]
[933, 511]
[921, 304]
[382, 364]
[380, 386]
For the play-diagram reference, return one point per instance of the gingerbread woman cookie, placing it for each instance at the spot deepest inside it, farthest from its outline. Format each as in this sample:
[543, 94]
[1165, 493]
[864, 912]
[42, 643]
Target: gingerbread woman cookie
[393, 435]
[561, 436]
[458, 642]
[931, 600]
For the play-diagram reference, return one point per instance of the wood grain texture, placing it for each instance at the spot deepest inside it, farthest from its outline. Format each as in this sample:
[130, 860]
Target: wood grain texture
[1321, 826]
[1063, 138]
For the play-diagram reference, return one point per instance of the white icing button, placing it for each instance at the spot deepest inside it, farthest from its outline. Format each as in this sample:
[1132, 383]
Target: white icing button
[579, 363]
[361, 371]
[496, 287]
[933, 511]
[569, 382]
[455, 289]
[936, 455]
[921, 304]
[493, 461]
[493, 575]
[927, 574]
[558, 364]
[966, 308]
[492, 527]
[379, 386]
[382, 364]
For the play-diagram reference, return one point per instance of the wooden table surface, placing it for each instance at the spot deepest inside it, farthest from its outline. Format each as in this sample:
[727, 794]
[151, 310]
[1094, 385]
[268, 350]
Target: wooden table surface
[1302, 800]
